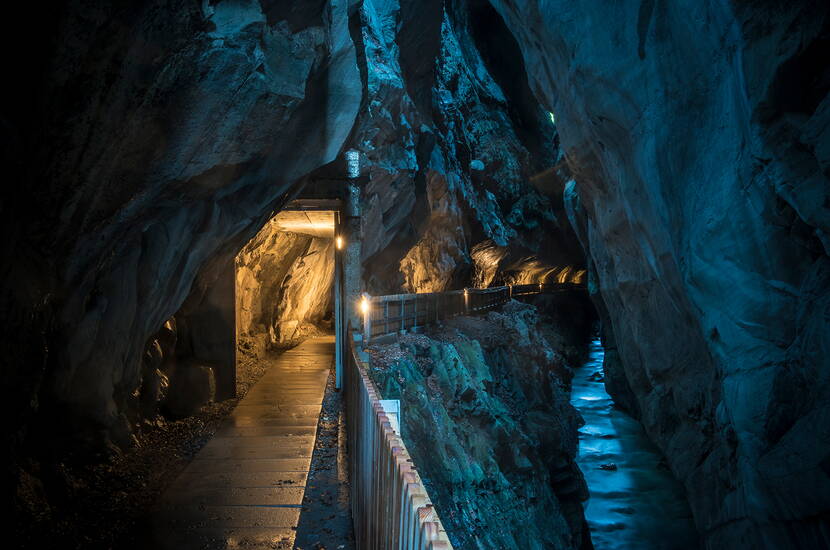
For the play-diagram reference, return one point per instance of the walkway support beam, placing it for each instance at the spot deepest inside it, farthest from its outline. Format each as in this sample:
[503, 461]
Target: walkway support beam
[339, 314]
[351, 255]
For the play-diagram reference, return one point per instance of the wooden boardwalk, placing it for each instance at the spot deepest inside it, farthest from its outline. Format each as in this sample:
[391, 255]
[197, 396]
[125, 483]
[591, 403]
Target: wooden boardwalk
[245, 488]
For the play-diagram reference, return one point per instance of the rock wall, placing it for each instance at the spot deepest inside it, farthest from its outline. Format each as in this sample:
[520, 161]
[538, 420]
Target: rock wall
[487, 419]
[283, 285]
[451, 136]
[697, 132]
[149, 143]
[144, 141]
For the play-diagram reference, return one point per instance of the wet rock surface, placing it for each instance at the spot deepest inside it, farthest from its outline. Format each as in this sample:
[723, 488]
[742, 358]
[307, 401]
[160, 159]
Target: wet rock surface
[697, 135]
[159, 137]
[450, 140]
[487, 420]
[146, 143]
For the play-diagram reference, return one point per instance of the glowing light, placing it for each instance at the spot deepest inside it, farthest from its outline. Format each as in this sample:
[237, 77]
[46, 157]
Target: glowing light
[552, 118]
[465, 292]
[540, 286]
[364, 305]
[339, 242]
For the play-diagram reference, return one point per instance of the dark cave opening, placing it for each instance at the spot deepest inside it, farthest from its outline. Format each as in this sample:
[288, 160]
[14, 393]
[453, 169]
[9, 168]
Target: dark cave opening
[504, 60]
[802, 82]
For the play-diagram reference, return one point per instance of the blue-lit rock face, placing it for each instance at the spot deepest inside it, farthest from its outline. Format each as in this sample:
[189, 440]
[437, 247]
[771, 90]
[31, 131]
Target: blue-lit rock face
[486, 418]
[164, 137]
[452, 136]
[698, 134]
[160, 139]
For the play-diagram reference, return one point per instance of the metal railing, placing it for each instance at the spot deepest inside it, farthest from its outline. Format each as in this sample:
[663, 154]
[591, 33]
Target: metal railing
[390, 505]
[400, 312]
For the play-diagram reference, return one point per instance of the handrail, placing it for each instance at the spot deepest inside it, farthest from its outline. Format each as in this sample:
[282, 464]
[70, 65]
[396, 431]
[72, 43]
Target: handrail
[398, 312]
[390, 505]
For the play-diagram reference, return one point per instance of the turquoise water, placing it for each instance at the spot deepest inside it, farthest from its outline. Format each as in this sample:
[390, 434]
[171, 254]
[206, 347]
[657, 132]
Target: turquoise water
[635, 502]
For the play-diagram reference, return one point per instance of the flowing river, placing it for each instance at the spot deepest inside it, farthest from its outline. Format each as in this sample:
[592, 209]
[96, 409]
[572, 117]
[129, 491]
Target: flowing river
[635, 502]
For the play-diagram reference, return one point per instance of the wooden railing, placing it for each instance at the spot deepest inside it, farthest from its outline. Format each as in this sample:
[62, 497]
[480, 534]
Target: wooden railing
[390, 505]
[400, 312]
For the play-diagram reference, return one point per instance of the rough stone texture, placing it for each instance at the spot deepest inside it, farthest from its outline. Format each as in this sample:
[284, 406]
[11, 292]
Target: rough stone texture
[450, 137]
[307, 295]
[487, 419]
[160, 135]
[283, 285]
[698, 136]
[148, 142]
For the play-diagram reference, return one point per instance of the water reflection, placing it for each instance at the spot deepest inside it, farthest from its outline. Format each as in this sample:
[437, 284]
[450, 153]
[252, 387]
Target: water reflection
[635, 502]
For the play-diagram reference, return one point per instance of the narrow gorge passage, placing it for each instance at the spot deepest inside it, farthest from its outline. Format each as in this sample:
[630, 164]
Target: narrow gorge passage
[463, 192]
[634, 500]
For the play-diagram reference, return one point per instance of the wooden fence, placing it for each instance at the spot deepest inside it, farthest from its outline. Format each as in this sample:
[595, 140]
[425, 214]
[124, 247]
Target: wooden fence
[391, 509]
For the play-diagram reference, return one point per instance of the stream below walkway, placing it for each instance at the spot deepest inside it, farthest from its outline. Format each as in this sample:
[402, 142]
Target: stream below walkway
[635, 502]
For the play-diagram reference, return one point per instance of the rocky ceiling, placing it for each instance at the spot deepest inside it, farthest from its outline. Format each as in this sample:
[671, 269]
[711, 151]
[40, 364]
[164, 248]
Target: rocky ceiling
[699, 137]
[143, 142]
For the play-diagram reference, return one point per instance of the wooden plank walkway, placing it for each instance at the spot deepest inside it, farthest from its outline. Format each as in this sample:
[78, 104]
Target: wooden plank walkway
[245, 488]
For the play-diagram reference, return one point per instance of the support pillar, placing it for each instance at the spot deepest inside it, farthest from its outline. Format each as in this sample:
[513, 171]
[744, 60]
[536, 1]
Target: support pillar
[339, 317]
[351, 260]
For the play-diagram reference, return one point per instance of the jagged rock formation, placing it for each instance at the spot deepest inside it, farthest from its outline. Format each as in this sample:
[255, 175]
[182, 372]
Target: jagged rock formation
[283, 285]
[161, 136]
[452, 136]
[487, 419]
[698, 136]
[147, 143]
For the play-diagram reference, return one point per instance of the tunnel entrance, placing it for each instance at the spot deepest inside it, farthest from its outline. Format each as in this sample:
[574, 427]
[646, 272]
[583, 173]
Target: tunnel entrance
[288, 282]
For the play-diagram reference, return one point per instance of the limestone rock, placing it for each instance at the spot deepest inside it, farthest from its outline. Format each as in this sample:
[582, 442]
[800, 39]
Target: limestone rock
[697, 136]
[284, 282]
[490, 428]
[446, 103]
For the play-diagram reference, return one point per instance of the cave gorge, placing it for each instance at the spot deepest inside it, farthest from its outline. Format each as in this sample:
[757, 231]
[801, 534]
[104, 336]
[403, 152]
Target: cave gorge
[434, 274]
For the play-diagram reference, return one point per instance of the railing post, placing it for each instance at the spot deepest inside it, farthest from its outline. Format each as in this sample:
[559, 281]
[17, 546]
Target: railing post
[366, 310]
